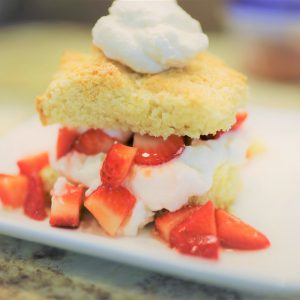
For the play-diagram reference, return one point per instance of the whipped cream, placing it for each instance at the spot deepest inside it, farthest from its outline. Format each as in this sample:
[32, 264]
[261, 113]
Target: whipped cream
[171, 184]
[81, 168]
[149, 36]
[168, 185]
[139, 218]
[59, 188]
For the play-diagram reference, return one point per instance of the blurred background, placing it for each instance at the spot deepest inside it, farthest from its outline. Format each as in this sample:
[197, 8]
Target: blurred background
[259, 37]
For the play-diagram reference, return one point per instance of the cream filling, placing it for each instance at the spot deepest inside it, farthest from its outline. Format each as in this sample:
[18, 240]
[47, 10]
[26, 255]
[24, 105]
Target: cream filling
[166, 186]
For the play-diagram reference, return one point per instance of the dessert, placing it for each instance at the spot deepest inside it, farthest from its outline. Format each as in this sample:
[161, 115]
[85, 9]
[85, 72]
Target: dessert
[150, 129]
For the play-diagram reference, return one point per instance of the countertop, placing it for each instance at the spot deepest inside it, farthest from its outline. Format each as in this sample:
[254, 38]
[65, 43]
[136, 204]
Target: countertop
[29, 55]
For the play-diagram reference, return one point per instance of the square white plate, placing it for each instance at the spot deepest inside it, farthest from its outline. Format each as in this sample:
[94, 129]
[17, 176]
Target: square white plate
[270, 201]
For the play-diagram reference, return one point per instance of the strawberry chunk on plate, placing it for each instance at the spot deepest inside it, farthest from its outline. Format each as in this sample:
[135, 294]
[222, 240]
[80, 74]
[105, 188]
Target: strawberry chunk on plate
[34, 205]
[167, 221]
[111, 207]
[93, 142]
[197, 235]
[65, 141]
[117, 164]
[33, 164]
[66, 205]
[235, 234]
[156, 150]
[13, 190]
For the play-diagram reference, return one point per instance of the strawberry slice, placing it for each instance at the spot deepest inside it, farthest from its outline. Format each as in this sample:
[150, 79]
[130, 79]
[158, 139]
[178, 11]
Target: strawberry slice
[240, 119]
[34, 205]
[13, 190]
[33, 164]
[235, 234]
[111, 207]
[93, 142]
[65, 141]
[167, 221]
[197, 235]
[117, 164]
[66, 206]
[156, 150]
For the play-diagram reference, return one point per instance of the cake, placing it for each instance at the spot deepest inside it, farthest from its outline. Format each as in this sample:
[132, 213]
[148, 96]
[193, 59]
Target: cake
[150, 128]
[93, 91]
[191, 107]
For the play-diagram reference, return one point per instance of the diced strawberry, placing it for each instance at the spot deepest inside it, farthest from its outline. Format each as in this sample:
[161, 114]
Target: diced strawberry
[235, 234]
[93, 142]
[34, 205]
[156, 150]
[13, 190]
[169, 220]
[65, 141]
[197, 235]
[117, 164]
[240, 119]
[33, 164]
[65, 208]
[111, 207]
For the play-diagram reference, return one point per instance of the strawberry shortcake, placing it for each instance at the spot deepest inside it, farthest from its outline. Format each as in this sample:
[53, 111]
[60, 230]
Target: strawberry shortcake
[150, 130]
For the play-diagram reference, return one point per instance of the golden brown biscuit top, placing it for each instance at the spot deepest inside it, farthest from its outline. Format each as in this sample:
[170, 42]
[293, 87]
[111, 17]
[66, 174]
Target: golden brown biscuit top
[92, 91]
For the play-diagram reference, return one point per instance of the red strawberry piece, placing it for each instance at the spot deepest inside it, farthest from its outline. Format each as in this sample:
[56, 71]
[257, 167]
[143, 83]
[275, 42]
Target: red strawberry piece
[235, 234]
[65, 141]
[111, 207]
[117, 164]
[93, 142]
[13, 190]
[33, 164]
[240, 119]
[34, 205]
[156, 150]
[197, 234]
[65, 208]
[167, 221]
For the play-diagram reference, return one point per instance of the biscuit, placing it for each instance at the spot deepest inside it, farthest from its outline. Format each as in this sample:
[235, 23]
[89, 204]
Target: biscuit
[92, 91]
[225, 188]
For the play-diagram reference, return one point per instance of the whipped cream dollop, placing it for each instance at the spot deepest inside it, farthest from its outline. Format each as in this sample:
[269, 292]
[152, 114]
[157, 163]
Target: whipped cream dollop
[149, 36]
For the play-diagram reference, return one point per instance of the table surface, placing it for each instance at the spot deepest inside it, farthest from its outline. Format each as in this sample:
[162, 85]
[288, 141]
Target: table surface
[29, 55]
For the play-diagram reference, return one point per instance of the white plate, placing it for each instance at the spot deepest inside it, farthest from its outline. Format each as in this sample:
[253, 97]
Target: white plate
[270, 201]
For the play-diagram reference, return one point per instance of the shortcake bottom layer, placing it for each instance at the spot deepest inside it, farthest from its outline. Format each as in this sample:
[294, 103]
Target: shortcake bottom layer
[225, 188]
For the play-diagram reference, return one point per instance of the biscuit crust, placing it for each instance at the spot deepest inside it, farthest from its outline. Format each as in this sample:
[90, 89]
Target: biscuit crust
[92, 91]
[225, 189]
